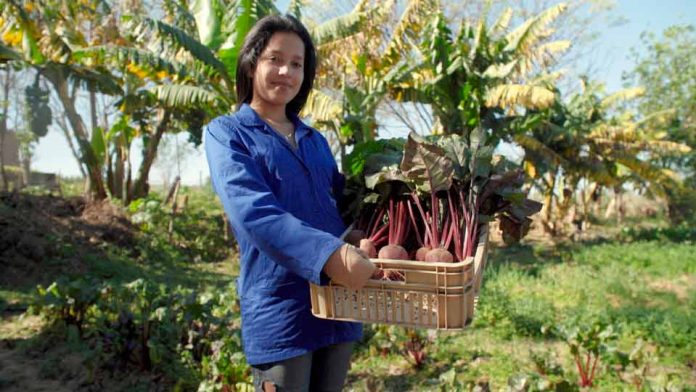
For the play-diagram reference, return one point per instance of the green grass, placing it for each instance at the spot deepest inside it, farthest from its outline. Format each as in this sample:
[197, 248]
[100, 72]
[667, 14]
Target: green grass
[645, 290]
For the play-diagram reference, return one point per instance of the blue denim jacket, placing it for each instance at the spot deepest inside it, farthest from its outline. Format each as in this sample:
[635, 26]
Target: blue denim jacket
[282, 207]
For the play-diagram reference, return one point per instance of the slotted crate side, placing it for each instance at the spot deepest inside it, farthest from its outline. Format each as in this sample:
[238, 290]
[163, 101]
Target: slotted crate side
[396, 306]
[432, 295]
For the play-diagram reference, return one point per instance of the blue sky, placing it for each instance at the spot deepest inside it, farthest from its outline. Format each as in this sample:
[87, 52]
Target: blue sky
[613, 54]
[611, 57]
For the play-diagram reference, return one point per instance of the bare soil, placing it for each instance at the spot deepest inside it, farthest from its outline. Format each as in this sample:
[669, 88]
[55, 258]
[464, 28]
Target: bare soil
[42, 237]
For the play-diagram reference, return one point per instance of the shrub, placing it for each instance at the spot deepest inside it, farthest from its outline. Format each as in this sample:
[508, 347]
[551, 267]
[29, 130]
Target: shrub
[683, 232]
[195, 233]
[191, 337]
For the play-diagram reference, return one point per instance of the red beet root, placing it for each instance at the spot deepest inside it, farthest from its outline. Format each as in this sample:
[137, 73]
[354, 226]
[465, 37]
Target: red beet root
[440, 255]
[394, 252]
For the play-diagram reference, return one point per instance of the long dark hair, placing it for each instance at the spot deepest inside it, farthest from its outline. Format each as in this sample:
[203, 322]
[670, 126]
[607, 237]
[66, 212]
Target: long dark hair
[256, 41]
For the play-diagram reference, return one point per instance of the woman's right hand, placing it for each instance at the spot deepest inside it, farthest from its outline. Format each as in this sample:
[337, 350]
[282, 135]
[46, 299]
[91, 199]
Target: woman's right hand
[349, 266]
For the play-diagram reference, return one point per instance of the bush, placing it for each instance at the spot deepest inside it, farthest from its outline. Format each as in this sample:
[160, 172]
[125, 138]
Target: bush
[191, 337]
[681, 203]
[680, 233]
[195, 233]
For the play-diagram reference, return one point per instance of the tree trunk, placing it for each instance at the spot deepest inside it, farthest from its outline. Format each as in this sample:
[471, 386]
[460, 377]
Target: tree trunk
[3, 125]
[118, 174]
[97, 191]
[548, 223]
[93, 109]
[26, 170]
[141, 187]
[620, 211]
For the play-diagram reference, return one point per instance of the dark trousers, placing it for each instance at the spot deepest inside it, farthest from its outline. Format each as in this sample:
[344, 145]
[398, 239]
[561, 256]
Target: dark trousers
[322, 370]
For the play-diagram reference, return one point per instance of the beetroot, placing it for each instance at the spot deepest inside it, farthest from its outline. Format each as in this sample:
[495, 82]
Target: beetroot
[398, 231]
[439, 255]
[375, 232]
[394, 252]
[369, 247]
[421, 252]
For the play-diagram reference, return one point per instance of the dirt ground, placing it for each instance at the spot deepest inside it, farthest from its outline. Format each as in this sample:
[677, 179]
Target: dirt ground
[43, 237]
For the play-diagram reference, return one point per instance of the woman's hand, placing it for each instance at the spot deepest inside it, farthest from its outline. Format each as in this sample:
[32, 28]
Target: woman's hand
[349, 266]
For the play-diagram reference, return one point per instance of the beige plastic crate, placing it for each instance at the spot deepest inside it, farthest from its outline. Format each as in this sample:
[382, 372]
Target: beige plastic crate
[432, 295]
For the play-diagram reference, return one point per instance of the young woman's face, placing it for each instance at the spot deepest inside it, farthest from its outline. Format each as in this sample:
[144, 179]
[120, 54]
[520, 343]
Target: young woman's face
[279, 70]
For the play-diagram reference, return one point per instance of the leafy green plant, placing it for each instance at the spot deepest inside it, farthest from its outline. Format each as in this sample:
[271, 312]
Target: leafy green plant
[548, 375]
[380, 339]
[67, 300]
[587, 344]
[415, 347]
[226, 368]
[680, 233]
[532, 382]
[636, 366]
[441, 190]
[194, 233]
[188, 335]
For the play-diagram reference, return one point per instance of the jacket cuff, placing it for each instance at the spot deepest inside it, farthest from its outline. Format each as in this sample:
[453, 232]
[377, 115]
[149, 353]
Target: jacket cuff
[318, 276]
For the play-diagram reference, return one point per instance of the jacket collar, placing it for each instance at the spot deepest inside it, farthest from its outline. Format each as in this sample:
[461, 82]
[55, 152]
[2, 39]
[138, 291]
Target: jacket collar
[248, 117]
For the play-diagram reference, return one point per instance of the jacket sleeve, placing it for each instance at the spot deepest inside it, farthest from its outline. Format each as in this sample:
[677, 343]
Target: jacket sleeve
[254, 211]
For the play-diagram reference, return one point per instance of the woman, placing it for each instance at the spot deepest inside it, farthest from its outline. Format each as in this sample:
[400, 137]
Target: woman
[278, 182]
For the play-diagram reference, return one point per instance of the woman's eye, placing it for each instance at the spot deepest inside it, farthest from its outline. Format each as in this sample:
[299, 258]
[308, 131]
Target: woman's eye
[297, 65]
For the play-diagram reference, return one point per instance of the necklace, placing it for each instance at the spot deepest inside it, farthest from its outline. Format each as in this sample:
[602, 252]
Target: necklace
[290, 137]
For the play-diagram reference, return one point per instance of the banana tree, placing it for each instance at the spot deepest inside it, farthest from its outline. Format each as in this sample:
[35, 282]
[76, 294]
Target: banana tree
[483, 74]
[352, 88]
[43, 35]
[588, 140]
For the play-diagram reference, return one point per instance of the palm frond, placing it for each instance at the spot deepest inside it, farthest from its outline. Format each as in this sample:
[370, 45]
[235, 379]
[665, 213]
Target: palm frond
[361, 6]
[532, 144]
[658, 118]
[500, 71]
[524, 37]
[543, 56]
[646, 171]
[623, 142]
[122, 55]
[208, 24]
[511, 95]
[666, 147]
[545, 53]
[178, 40]
[16, 15]
[96, 79]
[622, 95]
[9, 54]
[241, 15]
[503, 21]
[408, 93]
[295, 8]
[548, 78]
[322, 108]
[338, 28]
[409, 28]
[178, 95]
